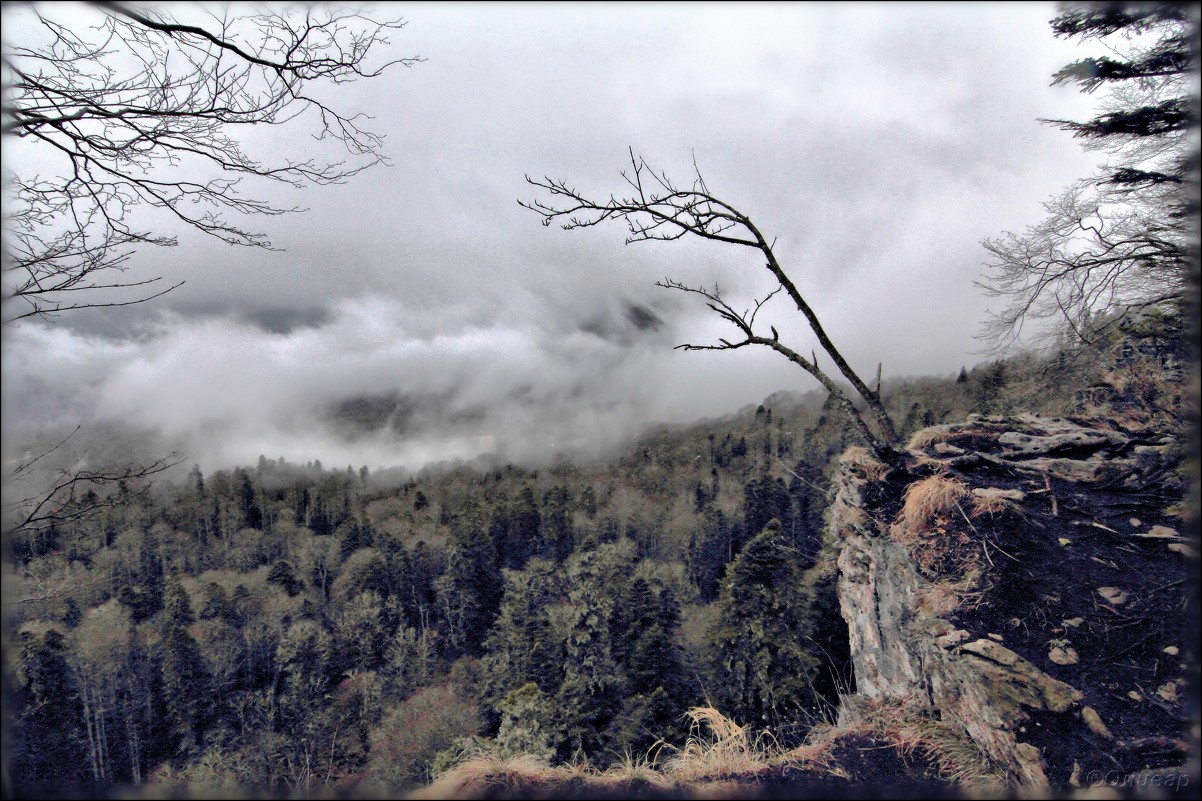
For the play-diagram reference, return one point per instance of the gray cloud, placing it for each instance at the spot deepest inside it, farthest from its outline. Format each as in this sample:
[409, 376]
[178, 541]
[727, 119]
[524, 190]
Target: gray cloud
[879, 145]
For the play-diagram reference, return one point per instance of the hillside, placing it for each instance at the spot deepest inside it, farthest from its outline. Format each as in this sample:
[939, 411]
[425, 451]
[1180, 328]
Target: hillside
[298, 630]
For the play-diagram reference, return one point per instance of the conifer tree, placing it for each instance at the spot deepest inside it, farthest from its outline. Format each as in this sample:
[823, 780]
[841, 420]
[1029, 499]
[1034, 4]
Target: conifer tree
[185, 691]
[469, 592]
[763, 669]
[522, 647]
[591, 694]
[47, 756]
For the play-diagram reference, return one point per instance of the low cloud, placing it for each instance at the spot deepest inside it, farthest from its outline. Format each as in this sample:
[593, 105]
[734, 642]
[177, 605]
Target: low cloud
[371, 384]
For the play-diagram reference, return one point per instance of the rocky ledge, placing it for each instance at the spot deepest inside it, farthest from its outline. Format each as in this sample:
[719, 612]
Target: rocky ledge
[1026, 582]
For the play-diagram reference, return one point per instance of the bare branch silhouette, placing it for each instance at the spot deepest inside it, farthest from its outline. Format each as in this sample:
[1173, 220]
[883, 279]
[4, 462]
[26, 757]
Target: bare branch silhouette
[54, 502]
[658, 209]
[133, 109]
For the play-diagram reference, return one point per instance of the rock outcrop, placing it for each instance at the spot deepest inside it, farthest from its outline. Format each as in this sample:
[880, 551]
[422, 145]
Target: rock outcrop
[1023, 581]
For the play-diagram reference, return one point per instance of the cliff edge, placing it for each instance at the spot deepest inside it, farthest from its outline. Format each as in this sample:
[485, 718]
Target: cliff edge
[1026, 582]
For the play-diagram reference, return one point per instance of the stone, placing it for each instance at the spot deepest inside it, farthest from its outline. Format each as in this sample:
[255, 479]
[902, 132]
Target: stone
[989, 493]
[1158, 533]
[952, 639]
[1018, 444]
[1094, 721]
[1172, 650]
[1015, 679]
[907, 649]
[1168, 691]
[1032, 761]
[947, 449]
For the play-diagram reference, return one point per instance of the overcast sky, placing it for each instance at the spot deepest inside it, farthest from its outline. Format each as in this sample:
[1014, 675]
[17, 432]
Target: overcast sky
[878, 143]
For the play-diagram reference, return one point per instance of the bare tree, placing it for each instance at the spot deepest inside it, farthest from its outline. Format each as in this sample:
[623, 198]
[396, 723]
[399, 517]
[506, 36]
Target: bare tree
[1119, 241]
[118, 108]
[658, 209]
[1092, 255]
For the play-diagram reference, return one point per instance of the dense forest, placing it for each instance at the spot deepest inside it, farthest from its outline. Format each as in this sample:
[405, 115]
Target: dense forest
[293, 627]
[298, 630]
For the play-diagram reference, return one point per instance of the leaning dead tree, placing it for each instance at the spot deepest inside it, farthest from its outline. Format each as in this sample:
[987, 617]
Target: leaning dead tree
[113, 110]
[658, 209]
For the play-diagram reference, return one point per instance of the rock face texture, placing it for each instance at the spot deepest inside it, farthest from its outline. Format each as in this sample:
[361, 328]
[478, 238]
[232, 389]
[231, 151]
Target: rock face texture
[1024, 581]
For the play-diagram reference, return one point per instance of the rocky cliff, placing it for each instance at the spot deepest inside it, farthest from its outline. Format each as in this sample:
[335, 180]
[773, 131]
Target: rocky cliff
[1026, 583]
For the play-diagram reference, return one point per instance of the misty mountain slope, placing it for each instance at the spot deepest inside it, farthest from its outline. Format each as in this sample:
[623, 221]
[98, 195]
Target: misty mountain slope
[204, 634]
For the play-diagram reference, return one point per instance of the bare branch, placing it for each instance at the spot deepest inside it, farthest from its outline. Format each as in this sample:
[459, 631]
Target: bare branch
[1090, 259]
[1120, 241]
[54, 502]
[138, 108]
[659, 210]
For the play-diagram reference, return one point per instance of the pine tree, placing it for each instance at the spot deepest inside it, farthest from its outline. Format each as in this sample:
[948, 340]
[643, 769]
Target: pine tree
[469, 592]
[47, 757]
[518, 536]
[527, 725]
[762, 668]
[658, 691]
[281, 573]
[591, 694]
[557, 532]
[522, 648]
[185, 692]
[709, 553]
[252, 515]
[1130, 229]
[177, 607]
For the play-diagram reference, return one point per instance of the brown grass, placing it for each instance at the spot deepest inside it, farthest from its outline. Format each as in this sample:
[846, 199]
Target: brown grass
[727, 749]
[635, 769]
[720, 755]
[863, 462]
[906, 727]
[925, 438]
[938, 599]
[992, 505]
[931, 497]
[485, 773]
[933, 526]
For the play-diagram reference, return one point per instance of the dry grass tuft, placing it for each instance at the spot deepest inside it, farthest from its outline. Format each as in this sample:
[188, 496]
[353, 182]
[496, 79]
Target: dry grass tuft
[818, 751]
[907, 727]
[938, 599]
[487, 774]
[993, 505]
[864, 463]
[925, 438]
[727, 750]
[633, 769]
[720, 756]
[929, 498]
[929, 527]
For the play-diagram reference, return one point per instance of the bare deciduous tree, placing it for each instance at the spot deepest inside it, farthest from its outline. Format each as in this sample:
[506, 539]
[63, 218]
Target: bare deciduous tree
[1092, 254]
[658, 209]
[1119, 241]
[117, 106]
